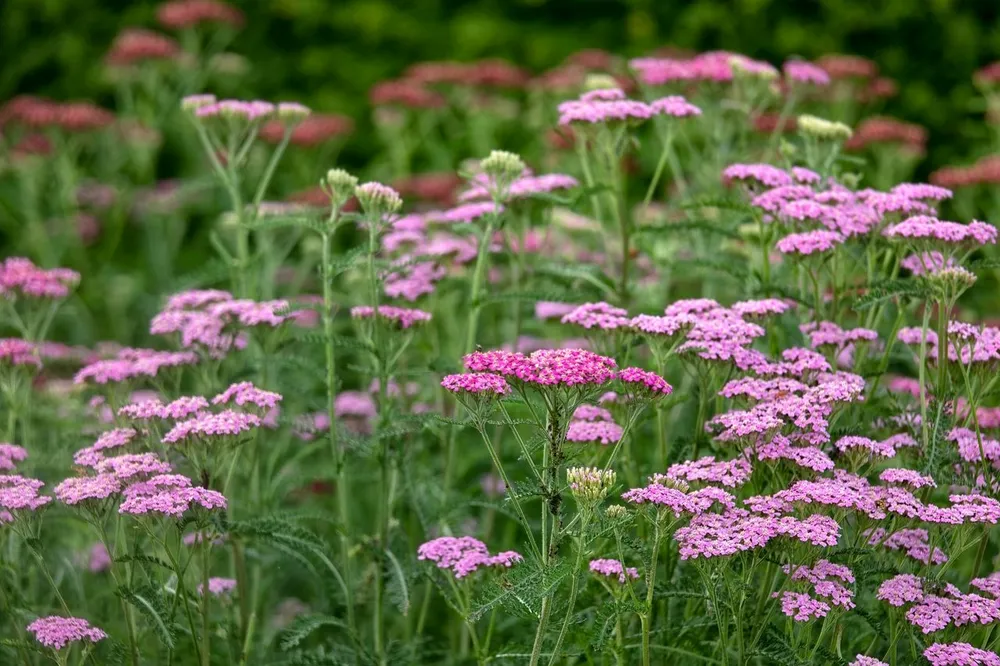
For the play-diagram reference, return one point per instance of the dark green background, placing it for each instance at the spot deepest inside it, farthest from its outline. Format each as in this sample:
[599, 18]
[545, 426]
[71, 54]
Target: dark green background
[327, 53]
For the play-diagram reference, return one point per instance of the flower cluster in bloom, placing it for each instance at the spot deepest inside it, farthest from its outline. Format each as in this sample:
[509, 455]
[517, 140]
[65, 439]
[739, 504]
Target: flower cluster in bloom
[729, 473]
[128, 466]
[174, 410]
[613, 569]
[402, 317]
[218, 586]
[546, 367]
[15, 351]
[172, 501]
[131, 364]
[10, 455]
[227, 423]
[21, 493]
[463, 555]
[605, 432]
[597, 315]
[913, 542]
[959, 654]
[604, 106]
[711, 535]
[20, 277]
[75, 490]
[643, 383]
[245, 393]
[477, 383]
[57, 632]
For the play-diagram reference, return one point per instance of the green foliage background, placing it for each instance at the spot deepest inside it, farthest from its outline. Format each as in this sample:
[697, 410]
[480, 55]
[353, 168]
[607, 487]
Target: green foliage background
[327, 53]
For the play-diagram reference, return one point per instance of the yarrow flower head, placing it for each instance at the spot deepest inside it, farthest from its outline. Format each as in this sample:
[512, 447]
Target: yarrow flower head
[597, 315]
[340, 186]
[484, 383]
[613, 569]
[245, 393]
[57, 632]
[402, 317]
[590, 485]
[378, 200]
[809, 242]
[822, 128]
[729, 473]
[172, 501]
[218, 587]
[463, 555]
[10, 455]
[959, 654]
[604, 432]
[206, 425]
[79, 489]
[501, 169]
[20, 277]
[566, 368]
[642, 384]
[19, 493]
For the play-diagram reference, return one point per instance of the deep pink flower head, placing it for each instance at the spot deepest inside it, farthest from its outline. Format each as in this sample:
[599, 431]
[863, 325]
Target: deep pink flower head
[901, 590]
[111, 439]
[132, 364]
[16, 351]
[729, 473]
[924, 227]
[591, 413]
[674, 105]
[477, 383]
[57, 632]
[179, 14]
[666, 325]
[875, 448]
[10, 455]
[801, 71]
[546, 367]
[643, 383]
[801, 607]
[592, 112]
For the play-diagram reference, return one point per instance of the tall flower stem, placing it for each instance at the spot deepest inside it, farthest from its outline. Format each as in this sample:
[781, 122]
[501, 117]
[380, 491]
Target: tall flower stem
[647, 614]
[574, 586]
[339, 455]
[206, 636]
[478, 275]
[126, 606]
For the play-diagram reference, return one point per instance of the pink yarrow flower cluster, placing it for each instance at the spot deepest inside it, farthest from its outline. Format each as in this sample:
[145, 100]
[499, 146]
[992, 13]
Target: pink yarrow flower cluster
[463, 555]
[10, 455]
[227, 423]
[130, 364]
[218, 587]
[402, 317]
[20, 277]
[603, 106]
[479, 383]
[959, 654]
[547, 367]
[729, 473]
[57, 632]
[597, 315]
[245, 393]
[613, 569]
[166, 497]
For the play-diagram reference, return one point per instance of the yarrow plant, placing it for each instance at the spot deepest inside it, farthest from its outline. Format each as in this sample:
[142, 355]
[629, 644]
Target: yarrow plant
[688, 371]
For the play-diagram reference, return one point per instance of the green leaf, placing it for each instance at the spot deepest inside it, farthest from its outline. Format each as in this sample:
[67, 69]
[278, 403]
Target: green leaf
[889, 289]
[705, 226]
[305, 625]
[286, 221]
[398, 588]
[148, 601]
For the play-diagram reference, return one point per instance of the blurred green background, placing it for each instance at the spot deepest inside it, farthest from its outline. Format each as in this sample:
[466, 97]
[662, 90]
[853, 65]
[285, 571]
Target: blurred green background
[327, 53]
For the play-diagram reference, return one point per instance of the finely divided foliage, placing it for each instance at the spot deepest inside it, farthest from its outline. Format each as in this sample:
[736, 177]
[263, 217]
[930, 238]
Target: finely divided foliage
[681, 381]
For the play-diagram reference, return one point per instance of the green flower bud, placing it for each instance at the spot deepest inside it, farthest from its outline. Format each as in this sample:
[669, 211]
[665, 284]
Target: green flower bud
[822, 128]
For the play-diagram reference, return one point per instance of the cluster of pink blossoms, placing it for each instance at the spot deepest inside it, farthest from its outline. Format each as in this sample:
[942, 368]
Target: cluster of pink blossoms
[590, 423]
[613, 569]
[19, 493]
[612, 105]
[20, 277]
[478, 383]
[130, 364]
[935, 610]
[213, 320]
[598, 316]
[10, 455]
[826, 582]
[959, 654]
[712, 66]
[15, 351]
[169, 495]
[729, 473]
[464, 555]
[153, 408]
[401, 317]
[914, 543]
[227, 423]
[547, 367]
[245, 393]
[217, 587]
[522, 188]
[57, 632]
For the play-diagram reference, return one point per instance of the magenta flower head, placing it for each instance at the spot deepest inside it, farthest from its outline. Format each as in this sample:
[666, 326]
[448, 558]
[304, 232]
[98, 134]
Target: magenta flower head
[57, 632]
[756, 176]
[604, 111]
[19, 277]
[15, 351]
[675, 106]
[800, 71]
[642, 385]
[613, 569]
[959, 654]
[402, 318]
[218, 587]
[478, 383]
[928, 233]
[10, 455]
[604, 432]
[760, 309]
[107, 441]
[554, 368]
[131, 466]
[463, 555]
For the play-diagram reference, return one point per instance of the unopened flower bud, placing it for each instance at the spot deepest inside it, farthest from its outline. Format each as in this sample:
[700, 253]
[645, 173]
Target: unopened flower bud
[192, 103]
[590, 485]
[600, 82]
[616, 512]
[293, 111]
[501, 169]
[822, 128]
[952, 279]
[340, 186]
[378, 200]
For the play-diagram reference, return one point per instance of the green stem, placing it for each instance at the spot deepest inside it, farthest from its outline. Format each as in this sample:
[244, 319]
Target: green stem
[574, 582]
[206, 636]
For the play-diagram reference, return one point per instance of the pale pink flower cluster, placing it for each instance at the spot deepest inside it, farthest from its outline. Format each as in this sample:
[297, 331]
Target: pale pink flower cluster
[10, 455]
[218, 587]
[598, 315]
[913, 542]
[712, 66]
[729, 473]
[245, 393]
[20, 277]
[463, 555]
[613, 569]
[401, 317]
[479, 383]
[227, 423]
[959, 654]
[130, 364]
[57, 632]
